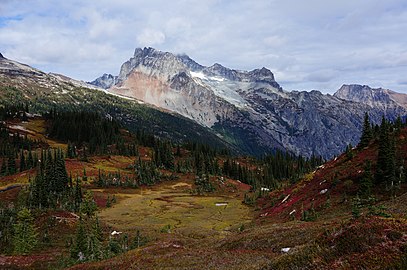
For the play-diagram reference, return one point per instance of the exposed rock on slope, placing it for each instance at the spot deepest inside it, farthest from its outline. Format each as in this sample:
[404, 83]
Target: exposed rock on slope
[383, 99]
[105, 82]
[21, 83]
[248, 108]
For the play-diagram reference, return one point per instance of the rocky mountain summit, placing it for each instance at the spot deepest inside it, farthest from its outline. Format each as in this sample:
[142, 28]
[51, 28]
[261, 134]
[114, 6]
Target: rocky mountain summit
[105, 81]
[384, 99]
[248, 108]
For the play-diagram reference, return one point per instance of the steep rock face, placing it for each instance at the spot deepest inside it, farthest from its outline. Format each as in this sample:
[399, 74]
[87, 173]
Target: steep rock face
[105, 81]
[384, 99]
[153, 63]
[191, 64]
[249, 108]
[386, 102]
[1, 56]
[164, 80]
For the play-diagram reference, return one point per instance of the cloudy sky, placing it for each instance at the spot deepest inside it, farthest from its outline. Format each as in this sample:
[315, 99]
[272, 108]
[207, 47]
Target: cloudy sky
[314, 44]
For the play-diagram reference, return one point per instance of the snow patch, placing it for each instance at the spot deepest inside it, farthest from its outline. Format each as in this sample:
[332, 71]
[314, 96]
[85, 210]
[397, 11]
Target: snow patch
[286, 198]
[285, 250]
[226, 90]
[323, 191]
[120, 96]
[221, 204]
[18, 127]
[199, 75]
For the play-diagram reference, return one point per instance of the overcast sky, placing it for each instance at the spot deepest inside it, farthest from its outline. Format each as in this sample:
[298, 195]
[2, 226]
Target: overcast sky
[314, 44]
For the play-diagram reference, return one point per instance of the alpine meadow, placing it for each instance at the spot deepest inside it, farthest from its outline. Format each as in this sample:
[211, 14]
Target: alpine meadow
[191, 134]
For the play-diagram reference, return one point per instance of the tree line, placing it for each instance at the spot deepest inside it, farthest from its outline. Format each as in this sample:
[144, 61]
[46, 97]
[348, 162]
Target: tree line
[390, 164]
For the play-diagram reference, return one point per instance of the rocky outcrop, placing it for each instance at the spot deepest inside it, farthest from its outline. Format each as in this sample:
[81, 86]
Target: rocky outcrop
[384, 99]
[1, 56]
[105, 81]
[191, 64]
[20, 74]
[249, 108]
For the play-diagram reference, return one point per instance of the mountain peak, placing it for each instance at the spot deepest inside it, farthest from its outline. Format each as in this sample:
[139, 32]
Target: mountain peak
[105, 81]
[1, 56]
[145, 51]
[350, 91]
[194, 66]
[371, 96]
[262, 74]
[217, 65]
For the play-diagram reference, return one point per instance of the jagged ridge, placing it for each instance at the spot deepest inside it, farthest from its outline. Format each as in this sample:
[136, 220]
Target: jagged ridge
[248, 108]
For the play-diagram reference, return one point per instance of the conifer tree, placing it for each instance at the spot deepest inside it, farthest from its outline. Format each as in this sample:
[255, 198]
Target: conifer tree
[385, 168]
[398, 124]
[22, 161]
[30, 159]
[25, 235]
[11, 164]
[178, 153]
[88, 206]
[79, 250]
[78, 195]
[383, 152]
[367, 134]
[366, 182]
[84, 177]
[3, 170]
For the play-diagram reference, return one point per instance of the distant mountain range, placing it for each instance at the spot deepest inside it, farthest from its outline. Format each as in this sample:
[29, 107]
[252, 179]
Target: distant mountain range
[175, 97]
[250, 109]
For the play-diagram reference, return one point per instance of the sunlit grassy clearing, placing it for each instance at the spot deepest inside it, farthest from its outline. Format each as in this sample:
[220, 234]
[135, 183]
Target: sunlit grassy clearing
[151, 209]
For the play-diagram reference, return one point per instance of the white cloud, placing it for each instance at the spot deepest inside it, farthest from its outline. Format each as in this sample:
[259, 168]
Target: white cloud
[317, 44]
[150, 37]
[274, 41]
[322, 76]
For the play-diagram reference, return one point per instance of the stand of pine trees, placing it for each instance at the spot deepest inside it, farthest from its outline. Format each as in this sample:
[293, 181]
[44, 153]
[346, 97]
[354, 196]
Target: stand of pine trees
[15, 152]
[272, 169]
[15, 111]
[390, 167]
[51, 187]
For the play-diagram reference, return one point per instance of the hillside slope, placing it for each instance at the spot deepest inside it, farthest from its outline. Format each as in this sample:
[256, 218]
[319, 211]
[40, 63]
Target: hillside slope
[20, 83]
[322, 233]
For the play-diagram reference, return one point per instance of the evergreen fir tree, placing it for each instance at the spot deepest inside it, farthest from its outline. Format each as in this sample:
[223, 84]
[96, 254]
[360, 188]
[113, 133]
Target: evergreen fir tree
[11, 165]
[398, 124]
[386, 165]
[178, 153]
[25, 235]
[88, 206]
[366, 182]
[95, 249]
[78, 195]
[30, 159]
[384, 145]
[367, 134]
[22, 161]
[79, 250]
[84, 177]
[3, 170]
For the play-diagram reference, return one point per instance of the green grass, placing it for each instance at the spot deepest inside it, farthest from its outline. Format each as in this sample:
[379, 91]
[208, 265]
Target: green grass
[150, 209]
